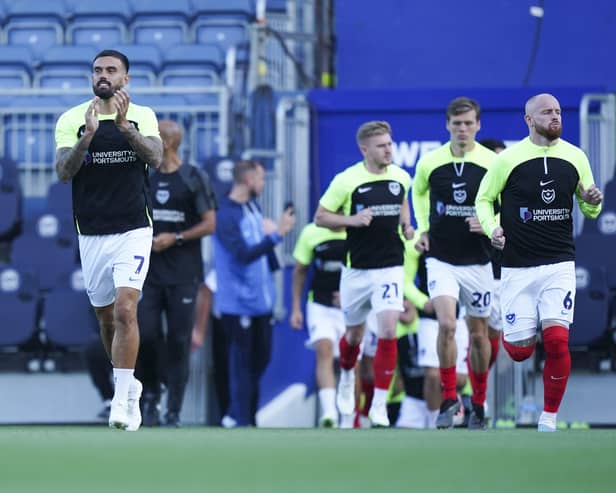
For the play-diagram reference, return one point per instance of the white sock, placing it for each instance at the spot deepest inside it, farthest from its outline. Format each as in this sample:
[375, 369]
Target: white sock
[431, 418]
[327, 402]
[380, 397]
[548, 419]
[122, 378]
[347, 375]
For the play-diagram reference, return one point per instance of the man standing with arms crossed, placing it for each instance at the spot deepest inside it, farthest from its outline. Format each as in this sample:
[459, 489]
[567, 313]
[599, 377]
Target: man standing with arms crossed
[536, 180]
[373, 196]
[105, 147]
[457, 253]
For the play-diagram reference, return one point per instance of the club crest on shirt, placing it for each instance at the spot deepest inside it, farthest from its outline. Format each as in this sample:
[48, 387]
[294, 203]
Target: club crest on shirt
[548, 195]
[162, 196]
[510, 318]
[525, 214]
[394, 187]
[459, 196]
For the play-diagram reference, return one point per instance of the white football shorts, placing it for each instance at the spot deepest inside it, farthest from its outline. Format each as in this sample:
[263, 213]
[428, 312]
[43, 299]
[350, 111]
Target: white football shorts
[530, 295]
[362, 290]
[471, 285]
[112, 261]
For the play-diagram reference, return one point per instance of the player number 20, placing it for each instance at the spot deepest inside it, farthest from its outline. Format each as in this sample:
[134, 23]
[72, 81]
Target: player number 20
[481, 299]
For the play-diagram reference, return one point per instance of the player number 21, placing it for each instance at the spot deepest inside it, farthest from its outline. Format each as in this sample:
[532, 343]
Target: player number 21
[388, 288]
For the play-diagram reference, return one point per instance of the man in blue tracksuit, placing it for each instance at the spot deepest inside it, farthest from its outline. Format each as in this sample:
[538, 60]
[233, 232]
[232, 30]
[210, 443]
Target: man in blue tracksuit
[244, 260]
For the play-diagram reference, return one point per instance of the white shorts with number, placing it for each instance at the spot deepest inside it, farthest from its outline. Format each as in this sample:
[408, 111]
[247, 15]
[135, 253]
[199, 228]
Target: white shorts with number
[324, 322]
[471, 285]
[112, 261]
[496, 320]
[427, 332]
[530, 295]
[362, 290]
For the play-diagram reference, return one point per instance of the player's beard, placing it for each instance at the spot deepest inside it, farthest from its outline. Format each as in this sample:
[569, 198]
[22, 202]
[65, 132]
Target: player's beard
[105, 92]
[550, 133]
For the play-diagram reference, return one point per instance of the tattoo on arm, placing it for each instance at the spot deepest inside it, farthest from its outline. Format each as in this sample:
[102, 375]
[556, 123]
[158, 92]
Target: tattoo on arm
[150, 149]
[70, 159]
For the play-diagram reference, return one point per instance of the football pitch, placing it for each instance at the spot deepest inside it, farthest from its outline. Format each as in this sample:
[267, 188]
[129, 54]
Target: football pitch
[98, 459]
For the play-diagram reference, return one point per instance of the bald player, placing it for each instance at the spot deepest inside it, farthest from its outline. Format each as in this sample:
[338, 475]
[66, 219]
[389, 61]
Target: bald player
[183, 211]
[537, 179]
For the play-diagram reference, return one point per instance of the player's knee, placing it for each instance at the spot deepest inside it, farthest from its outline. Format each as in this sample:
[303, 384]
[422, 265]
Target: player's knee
[556, 339]
[519, 353]
[447, 329]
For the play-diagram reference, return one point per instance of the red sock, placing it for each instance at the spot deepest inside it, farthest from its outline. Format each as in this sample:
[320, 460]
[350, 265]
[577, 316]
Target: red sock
[367, 389]
[495, 344]
[348, 354]
[557, 366]
[479, 383]
[385, 362]
[448, 382]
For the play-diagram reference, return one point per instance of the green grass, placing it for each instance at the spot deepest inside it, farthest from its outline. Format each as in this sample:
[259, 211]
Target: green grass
[97, 459]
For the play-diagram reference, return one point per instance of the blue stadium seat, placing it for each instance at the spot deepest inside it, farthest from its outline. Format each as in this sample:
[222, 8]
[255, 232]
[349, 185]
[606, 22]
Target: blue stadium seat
[220, 172]
[159, 22]
[59, 200]
[591, 307]
[231, 9]
[66, 67]
[9, 174]
[10, 217]
[609, 194]
[68, 317]
[15, 67]
[144, 62]
[19, 305]
[94, 23]
[45, 250]
[192, 65]
[224, 22]
[38, 24]
[226, 33]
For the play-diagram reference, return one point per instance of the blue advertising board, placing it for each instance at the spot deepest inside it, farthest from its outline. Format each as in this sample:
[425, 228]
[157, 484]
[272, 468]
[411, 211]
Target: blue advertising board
[418, 123]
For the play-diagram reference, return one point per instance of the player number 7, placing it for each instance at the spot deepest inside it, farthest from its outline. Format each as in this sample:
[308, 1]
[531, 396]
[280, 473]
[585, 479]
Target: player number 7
[141, 260]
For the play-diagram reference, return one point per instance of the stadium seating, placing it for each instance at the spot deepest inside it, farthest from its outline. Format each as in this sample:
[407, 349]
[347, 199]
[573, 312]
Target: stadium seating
[223, 22]
[38, 24]
[59, 201]
[66, 67]
[68, 318]
[159, 22]
[94, 23]
[230, 9]
[591, 307]
[220, 172]
[9, 175]
[45, 250]
[192, 65]
[144, 62]
[10, 217]
[18, 305]
[15, 66]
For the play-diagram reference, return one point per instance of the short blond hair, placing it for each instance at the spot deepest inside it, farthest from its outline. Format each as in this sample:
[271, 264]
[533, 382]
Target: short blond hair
[370, 129]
